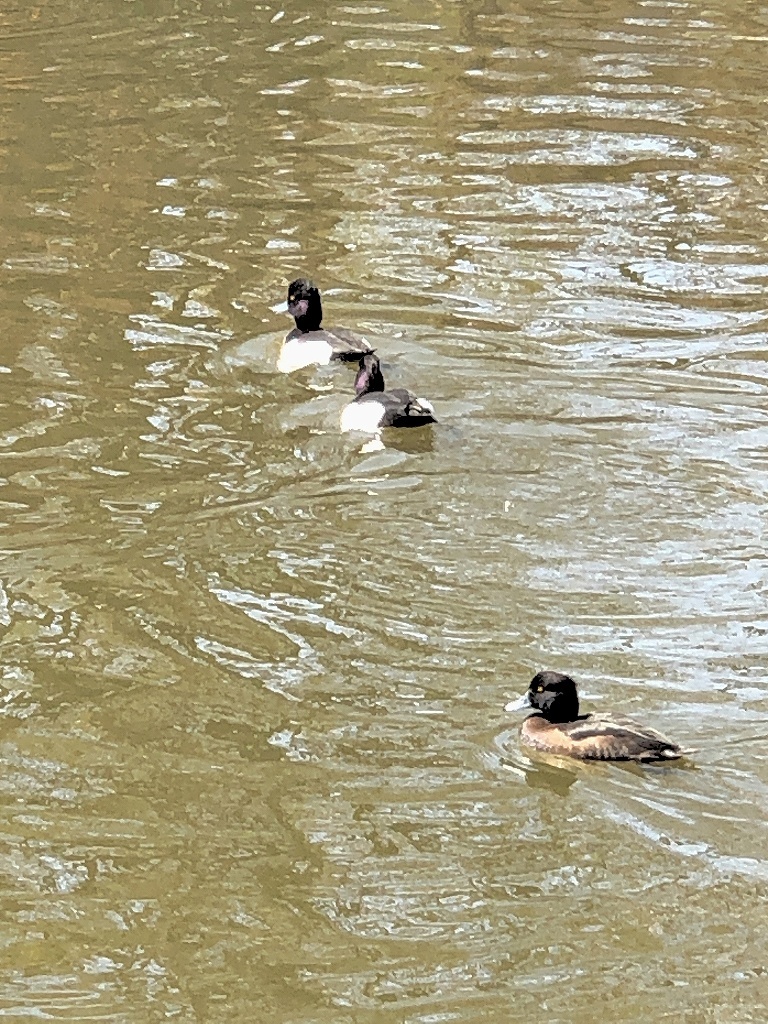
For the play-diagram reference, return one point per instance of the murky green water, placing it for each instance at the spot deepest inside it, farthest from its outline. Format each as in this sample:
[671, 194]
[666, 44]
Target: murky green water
[254, 762]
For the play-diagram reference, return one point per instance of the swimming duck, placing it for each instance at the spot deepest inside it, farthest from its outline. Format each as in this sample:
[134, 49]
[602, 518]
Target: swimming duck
[310, 344]
[374, 408]
[558, 728]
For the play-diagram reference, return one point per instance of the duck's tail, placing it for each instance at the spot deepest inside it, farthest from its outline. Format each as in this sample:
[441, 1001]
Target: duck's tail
[421, 407]
[673, 753]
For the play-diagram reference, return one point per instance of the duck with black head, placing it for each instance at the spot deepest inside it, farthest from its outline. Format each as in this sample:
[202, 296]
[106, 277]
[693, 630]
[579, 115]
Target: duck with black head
[309, 343]
[373, 408]
[556, 726]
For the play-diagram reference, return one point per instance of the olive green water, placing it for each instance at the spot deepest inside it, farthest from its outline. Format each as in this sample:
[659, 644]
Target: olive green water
[254, 762]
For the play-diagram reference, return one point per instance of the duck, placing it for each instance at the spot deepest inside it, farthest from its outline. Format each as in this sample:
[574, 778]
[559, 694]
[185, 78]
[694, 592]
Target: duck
[309, 343]
[373, 408]
[558, 728]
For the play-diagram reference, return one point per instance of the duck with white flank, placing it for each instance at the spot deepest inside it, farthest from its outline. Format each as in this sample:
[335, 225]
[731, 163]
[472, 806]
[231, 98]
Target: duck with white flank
[309, 343]
[373, 408]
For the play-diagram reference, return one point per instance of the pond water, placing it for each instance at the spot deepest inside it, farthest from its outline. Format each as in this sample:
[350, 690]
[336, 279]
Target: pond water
[255, 764]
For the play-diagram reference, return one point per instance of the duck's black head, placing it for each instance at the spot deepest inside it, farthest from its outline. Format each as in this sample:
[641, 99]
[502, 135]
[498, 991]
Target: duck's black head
[369, 376]
[304, 304]
[554, 695]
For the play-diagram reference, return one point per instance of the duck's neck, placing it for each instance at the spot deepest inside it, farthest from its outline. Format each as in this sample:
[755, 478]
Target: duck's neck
[310, 319]
[564, 709]
[369, 379]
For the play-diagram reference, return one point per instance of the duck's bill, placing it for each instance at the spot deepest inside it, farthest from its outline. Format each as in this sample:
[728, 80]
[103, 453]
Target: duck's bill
[280, 307]
[520, 704]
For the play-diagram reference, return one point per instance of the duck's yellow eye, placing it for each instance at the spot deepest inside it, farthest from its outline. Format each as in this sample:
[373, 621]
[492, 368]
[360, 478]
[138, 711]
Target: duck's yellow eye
[539, 689]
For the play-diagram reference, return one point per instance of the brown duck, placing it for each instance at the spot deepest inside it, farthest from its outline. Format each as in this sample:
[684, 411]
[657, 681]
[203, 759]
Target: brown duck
[558, 728]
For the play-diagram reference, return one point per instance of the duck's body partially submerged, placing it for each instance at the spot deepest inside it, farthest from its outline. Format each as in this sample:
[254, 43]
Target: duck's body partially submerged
[309, 343]
[373, 408]
[558, 728]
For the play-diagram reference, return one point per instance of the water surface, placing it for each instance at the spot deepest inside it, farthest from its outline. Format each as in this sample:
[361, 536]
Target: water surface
[255, 765]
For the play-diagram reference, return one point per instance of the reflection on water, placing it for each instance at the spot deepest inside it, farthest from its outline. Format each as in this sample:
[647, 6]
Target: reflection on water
[252, 737]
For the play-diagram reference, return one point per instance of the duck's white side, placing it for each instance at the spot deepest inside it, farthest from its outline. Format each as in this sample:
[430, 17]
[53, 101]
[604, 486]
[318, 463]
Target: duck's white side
[363, 416]
[297, 353]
